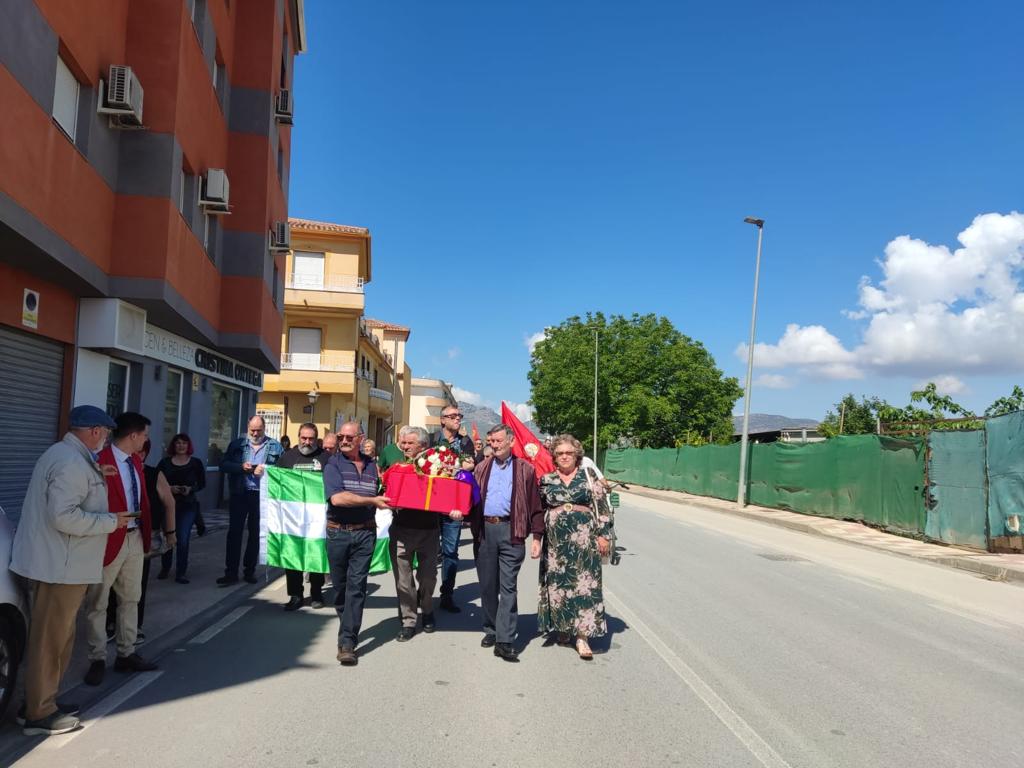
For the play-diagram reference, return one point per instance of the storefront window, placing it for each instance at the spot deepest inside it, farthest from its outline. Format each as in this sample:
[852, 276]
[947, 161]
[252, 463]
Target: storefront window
[117, 388]
[172, 405]
[224, 421]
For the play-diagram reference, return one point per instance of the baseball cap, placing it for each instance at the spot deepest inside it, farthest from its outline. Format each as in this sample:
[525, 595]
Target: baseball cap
[86, 416]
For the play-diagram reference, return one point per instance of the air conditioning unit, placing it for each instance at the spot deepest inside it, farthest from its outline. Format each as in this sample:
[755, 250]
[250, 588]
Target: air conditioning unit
[283, 106]
[213, 195]
[281, 237]
[121, 98]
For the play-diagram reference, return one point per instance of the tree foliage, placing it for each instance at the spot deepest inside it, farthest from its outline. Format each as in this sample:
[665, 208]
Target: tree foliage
[656, 386]
[1004, 405]
[851, 417]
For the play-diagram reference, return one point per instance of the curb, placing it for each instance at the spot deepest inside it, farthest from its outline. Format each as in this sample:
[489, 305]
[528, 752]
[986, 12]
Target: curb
[86, 696]
[990, 571]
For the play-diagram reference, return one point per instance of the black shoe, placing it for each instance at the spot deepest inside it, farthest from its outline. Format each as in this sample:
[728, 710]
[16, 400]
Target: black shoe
[227, 581]
[56, 723]
[506, 651]
[96, 671]
[487, 641]
[428, 622]
[164, 573]
[293, 604]
[316, 603]
[133, 663]
[406, 634]
[250, 578]
[63, 707]
[447, 604]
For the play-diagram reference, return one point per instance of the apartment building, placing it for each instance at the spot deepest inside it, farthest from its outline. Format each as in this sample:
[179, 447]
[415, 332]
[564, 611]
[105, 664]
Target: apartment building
[336, 364]
[429, 396]
[144, 160]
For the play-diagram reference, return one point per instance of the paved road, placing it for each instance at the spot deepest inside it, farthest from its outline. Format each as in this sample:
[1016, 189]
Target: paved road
[732, 643]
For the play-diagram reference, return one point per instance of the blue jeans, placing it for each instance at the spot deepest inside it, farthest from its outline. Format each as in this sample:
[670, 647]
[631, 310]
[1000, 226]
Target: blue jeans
[184, 519]
[348, 555]
[451, 530]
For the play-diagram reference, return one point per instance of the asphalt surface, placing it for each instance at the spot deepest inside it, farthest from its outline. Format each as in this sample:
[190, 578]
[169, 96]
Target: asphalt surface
[732, 643]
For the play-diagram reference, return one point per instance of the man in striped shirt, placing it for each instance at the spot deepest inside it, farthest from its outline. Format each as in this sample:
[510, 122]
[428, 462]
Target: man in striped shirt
[352, 491]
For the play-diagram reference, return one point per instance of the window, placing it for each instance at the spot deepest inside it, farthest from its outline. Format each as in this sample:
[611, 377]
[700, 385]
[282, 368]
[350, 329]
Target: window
[206, 232]
[172, 405]
[117, 388]
[308, 270]
[65, 99]
[181, 191]
[304, 347]
[224, 421]
[276, 287]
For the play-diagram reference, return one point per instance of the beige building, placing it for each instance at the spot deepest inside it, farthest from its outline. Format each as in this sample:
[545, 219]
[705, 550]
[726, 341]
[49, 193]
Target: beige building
[429, 396]
[336, 365]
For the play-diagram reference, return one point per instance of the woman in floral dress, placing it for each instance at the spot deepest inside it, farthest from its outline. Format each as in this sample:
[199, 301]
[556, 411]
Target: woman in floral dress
[571, 602]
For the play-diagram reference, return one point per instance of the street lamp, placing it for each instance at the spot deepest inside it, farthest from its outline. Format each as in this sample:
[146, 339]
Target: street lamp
[313, 395]
[741, 497]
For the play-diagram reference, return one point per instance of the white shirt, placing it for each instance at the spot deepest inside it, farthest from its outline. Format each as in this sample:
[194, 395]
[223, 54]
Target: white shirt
[126, 470]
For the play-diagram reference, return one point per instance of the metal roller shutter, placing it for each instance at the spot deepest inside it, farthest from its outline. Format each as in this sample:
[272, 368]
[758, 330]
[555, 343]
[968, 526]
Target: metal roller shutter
[31, 371]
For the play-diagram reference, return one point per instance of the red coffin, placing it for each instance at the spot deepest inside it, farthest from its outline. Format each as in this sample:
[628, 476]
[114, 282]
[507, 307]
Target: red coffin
[407, 489]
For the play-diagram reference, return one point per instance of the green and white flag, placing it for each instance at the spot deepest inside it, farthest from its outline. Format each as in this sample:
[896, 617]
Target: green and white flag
[293, 520]
[293, 523]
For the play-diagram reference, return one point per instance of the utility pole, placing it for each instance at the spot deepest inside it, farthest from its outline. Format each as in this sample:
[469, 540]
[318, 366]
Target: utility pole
[741, 496]
[595, 396]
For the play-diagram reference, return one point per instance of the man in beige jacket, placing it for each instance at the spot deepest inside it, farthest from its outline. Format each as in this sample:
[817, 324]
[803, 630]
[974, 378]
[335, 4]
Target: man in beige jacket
[59, 548]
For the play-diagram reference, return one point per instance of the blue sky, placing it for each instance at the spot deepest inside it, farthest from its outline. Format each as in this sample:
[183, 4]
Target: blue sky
[521, 162]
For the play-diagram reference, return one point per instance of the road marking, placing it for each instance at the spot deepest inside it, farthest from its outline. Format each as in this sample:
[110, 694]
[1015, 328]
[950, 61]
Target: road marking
[101, 709]
[224, 623]
[966, 615]
[863, 582]
[739, 727]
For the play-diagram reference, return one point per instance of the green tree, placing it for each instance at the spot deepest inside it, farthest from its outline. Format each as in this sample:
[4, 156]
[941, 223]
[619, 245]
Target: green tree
[1004, 405]
[938, 407]
[655, 385]
[853, 417]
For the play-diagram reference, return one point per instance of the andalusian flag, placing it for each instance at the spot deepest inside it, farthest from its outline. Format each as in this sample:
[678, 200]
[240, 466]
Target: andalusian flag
[293, 523]
[293, 520]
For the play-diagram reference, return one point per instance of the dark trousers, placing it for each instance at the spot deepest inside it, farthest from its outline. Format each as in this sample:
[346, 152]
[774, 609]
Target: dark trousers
[349, 554]
[296, 589]
[112, 601]
[451, 530]
[498, 561]
[184, 519]
[243, 510]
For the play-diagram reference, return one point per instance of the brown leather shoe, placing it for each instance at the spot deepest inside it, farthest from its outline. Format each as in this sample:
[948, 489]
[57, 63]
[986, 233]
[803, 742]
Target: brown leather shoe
[347, 657]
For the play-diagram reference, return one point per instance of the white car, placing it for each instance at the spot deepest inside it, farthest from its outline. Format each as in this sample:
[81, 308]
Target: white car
[13, 617]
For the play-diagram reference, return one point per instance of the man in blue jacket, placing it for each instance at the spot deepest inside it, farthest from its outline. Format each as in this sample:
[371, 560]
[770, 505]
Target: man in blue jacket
[245, 462]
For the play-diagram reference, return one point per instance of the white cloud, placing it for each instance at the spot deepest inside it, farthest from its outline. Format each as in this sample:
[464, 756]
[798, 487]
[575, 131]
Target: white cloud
[453, 353]
[465, 396]
[772, 381]
[532, 340]
[935, 312]
[945, 385]
[522, 411]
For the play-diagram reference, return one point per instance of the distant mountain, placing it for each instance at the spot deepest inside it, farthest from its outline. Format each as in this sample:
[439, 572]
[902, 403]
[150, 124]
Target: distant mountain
[485, 418]
[768, 422]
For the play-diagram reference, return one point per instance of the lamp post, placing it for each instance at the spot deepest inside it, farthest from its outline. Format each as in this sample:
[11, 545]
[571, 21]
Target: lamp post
[741, 496]
[312, 395]
[595, 396]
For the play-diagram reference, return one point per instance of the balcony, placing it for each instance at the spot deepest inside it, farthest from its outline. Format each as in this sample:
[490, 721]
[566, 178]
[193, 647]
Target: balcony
[383, 394]
[303, 371]
[324, 292]
[306, 361]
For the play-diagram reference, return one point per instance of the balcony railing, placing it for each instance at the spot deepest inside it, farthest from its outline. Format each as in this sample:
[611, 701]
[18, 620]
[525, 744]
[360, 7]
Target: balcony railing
[306, 361]
[383, 394]
[334, 284]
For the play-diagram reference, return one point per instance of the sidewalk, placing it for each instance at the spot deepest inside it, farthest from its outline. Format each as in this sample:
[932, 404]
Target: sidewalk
[174, 612]
[1009, 568]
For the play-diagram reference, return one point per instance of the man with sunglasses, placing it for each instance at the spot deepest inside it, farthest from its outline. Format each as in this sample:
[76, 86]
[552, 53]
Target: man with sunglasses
[451, 530]
[59, 548]
[352, 492]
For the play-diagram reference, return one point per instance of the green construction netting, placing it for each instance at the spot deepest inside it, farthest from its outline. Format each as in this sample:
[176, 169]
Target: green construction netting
[877, 480]
[1005, 438]
[957, 488]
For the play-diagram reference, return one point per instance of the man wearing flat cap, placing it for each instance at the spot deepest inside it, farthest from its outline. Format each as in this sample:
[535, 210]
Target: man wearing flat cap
[59, 548]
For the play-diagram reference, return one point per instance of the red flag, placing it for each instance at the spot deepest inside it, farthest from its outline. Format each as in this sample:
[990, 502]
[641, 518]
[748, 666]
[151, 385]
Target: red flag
[476, 435]
[527, 446]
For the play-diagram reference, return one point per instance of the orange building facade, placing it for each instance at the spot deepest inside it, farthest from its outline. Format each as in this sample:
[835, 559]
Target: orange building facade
[144, 159]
